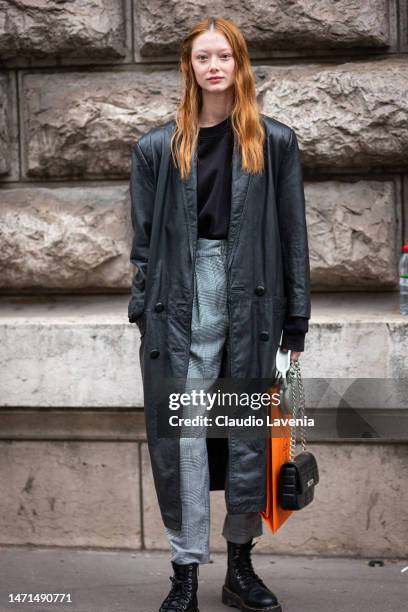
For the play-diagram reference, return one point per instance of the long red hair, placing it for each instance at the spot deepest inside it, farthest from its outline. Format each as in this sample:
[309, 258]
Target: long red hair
[245, 115]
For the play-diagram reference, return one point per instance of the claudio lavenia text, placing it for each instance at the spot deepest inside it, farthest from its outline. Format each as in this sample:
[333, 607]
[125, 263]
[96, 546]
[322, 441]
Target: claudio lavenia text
[223, 420]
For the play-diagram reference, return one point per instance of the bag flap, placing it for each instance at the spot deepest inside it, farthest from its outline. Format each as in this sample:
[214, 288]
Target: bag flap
[306, 470]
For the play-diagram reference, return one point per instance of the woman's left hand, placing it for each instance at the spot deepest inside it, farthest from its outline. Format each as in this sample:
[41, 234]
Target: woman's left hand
[294, 355]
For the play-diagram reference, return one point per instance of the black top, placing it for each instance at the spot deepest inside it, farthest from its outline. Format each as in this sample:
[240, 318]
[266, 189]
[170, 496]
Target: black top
[214, 174]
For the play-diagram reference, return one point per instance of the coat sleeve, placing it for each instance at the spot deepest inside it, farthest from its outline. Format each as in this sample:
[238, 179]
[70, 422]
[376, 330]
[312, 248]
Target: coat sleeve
[142, 194]
[293, 231]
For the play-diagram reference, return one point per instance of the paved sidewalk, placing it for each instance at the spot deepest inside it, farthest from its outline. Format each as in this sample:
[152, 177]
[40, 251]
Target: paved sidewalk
[118, 581]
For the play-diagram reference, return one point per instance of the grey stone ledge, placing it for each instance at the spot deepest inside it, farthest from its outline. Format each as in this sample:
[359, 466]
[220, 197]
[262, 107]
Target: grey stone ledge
[81, 352]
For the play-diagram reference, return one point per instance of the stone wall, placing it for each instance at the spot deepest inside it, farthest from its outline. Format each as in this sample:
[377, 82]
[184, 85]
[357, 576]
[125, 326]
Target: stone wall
[80, 81]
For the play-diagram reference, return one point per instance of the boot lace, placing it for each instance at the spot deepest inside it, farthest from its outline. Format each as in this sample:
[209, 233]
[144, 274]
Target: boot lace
[179, 596]
[244, 570]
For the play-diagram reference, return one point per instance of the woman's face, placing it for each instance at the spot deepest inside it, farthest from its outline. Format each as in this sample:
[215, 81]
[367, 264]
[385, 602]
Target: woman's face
[211, 56]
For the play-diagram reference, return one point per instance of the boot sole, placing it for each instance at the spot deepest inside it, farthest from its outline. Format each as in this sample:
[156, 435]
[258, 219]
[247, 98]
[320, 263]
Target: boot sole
[195, 610]
[232, 599]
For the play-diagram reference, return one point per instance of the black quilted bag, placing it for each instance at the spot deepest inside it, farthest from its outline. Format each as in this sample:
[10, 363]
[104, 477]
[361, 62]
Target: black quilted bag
[299, 476]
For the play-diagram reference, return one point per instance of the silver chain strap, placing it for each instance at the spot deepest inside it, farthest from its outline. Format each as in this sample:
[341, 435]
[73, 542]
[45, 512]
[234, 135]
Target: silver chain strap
[297, 395]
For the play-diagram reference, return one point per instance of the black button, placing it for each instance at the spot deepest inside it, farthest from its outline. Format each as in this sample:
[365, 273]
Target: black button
[264, 336]
[159, 307]
[260, 290]
[154, 353]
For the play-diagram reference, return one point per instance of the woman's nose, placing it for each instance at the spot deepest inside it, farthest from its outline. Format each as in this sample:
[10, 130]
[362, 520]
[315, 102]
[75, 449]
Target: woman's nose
[213, 63]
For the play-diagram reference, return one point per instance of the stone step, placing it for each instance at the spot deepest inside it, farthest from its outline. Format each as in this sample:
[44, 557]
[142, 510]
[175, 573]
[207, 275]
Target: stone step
[81, 352]
[73, 436]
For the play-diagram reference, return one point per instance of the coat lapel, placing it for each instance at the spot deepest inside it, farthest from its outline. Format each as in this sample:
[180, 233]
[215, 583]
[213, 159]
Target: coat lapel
[190, 203]
[239, 188]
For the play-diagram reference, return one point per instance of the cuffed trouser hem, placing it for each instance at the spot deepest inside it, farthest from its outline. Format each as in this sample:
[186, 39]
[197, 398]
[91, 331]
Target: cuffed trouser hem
[186, 559]
[240, 528]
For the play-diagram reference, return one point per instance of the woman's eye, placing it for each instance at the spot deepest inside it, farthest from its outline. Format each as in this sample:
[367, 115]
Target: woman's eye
[204, 57]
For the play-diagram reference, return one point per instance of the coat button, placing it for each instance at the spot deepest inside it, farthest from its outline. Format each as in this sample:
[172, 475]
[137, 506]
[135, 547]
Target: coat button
[154, 353]
[264, 336]
[259, 290]
[159, 307]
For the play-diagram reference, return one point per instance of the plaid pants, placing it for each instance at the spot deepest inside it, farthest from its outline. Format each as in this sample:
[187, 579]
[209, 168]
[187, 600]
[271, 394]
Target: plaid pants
[209, 330]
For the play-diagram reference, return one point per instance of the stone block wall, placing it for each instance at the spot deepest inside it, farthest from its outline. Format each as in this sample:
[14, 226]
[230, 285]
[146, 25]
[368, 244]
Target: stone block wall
[80, 81]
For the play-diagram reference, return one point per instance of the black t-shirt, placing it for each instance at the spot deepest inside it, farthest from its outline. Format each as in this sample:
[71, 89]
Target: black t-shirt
[214, 174]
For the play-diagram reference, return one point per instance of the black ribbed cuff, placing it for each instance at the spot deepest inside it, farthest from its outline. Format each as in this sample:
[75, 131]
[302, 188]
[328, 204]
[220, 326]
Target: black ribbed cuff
[294, 332]
[294, 342]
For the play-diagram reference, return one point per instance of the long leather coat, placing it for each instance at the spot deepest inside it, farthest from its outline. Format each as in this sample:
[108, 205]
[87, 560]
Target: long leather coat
[268, 279]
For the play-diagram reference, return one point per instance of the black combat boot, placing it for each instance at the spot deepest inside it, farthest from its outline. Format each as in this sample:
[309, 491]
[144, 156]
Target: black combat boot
[243, 589]
[183, 593]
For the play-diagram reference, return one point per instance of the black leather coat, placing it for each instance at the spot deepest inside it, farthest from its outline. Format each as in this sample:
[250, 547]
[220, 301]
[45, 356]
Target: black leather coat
[268, 279]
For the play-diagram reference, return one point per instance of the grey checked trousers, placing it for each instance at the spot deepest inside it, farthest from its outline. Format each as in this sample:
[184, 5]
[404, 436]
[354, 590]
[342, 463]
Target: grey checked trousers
[209, 330]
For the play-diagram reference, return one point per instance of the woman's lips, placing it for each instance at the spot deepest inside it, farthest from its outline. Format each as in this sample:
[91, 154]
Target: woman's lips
[215, 79]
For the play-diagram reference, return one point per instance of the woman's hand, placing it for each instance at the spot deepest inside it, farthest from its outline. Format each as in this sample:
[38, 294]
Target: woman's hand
[294, 355]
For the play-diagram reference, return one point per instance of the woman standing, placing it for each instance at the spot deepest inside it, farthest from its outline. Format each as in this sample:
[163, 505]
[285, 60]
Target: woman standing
[222, 278]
